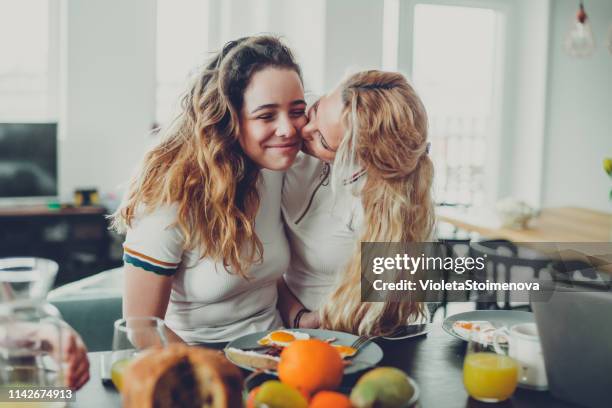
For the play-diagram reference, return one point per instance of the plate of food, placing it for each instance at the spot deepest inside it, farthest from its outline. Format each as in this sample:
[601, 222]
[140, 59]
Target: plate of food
[261, 351]
[486, 321]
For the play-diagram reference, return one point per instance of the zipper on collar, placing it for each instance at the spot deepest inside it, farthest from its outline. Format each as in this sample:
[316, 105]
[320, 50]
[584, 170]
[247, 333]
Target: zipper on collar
[323, 181]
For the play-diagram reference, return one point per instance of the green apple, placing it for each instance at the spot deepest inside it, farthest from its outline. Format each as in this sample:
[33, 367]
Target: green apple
[383, 387]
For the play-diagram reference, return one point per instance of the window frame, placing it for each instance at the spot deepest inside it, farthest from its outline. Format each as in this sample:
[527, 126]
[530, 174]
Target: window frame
[53, 105]
[497, 173]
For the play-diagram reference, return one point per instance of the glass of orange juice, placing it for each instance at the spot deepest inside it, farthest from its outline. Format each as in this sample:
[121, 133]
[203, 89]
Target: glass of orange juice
[132, 336]
[489, 373]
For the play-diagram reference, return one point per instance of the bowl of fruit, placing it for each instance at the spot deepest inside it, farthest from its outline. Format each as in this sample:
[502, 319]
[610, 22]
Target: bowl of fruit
[310, 374]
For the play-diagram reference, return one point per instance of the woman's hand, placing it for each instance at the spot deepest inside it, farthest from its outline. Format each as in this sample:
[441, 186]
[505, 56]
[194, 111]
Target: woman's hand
[289, 307]
[67, 348]
[76, 363]
[310, 320]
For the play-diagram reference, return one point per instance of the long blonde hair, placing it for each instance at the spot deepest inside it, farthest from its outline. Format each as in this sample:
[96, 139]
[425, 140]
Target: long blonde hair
[386, 135]
[199, 164]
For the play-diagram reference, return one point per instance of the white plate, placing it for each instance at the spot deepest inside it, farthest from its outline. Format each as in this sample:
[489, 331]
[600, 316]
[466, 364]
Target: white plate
[411, 330]
[498, 318]
[367, 356]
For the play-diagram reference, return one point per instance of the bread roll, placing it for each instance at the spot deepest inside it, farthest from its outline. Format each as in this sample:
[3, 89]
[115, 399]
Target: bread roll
[182, 376]
[252, 359]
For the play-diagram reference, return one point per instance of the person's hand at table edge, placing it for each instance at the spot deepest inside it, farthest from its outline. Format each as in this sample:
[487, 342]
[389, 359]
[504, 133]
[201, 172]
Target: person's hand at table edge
[310, 320]
[76, 363]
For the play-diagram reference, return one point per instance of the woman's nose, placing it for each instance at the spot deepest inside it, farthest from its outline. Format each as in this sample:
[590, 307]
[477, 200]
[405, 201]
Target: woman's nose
[286, 128]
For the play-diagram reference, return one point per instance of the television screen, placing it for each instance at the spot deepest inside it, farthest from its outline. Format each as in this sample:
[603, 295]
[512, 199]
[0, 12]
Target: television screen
[28, 160]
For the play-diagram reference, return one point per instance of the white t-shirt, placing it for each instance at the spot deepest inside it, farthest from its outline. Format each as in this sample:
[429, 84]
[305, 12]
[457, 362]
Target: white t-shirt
[322, 228]
[207, 303]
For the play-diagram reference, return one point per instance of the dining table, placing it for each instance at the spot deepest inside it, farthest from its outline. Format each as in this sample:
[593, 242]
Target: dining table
[561, 234]
[433, 360]
[561, 224]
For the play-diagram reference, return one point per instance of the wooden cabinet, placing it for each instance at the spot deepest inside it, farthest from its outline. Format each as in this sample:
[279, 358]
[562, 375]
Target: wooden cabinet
[76, 238]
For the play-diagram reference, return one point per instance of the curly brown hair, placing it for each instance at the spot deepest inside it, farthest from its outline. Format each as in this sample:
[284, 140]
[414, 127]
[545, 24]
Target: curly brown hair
[199, 164]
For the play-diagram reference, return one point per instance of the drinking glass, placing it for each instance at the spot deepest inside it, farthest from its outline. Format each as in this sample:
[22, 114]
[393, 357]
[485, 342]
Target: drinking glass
[489, 373]
[132, 336]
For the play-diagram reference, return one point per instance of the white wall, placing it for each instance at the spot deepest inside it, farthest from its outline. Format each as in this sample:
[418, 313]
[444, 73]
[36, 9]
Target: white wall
[329, 37]
[306, 35]
[354, 32]
[108, 91]
[240, 18]
[579, 117]
[530, 78]
[300, 24]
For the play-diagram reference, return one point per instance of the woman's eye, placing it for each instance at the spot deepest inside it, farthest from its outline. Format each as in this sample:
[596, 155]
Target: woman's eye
[266, 116]
[324, 142]
[298, 113]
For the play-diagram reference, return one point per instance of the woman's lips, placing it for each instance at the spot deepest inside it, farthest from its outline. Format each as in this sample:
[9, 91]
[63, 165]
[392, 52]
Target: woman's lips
[285, 146]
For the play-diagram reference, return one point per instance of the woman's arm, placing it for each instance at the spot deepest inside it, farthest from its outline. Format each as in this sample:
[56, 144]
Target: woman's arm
[147, 294]
[289, 306]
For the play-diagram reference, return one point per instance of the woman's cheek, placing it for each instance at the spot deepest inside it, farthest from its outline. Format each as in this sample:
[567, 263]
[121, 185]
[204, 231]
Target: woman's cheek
[259, 131]
[300, 123]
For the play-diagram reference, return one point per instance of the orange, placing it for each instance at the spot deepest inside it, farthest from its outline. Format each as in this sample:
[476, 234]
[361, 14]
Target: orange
[310, 366]
[250, 403]
[330, 399]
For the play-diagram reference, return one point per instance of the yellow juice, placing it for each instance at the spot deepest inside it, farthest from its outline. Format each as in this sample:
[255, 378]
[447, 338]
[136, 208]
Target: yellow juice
[117, 370]
[490, 377]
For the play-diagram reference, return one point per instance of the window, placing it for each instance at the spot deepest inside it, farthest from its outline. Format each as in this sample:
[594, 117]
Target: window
[455, 67]
[182, 45]
[28, 70]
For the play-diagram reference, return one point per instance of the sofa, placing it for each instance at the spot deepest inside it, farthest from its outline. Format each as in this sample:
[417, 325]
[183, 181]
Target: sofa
[91, 306]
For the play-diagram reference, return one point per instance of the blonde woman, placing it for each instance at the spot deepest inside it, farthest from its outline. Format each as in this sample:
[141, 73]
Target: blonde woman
[205, 243]
[371, 183]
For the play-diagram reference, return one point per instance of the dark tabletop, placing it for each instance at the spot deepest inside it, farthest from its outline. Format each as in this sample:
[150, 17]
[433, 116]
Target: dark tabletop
[434, 361]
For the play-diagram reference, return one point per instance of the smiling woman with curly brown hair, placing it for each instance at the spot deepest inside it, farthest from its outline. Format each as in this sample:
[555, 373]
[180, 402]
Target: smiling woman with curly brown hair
[205, 242]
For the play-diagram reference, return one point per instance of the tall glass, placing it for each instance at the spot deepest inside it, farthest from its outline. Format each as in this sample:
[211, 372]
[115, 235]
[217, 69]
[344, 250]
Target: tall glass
[489, 374]
[132, 336]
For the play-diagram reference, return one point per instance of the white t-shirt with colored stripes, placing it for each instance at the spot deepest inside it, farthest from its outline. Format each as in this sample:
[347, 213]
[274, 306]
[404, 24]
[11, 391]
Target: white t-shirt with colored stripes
[208, 304]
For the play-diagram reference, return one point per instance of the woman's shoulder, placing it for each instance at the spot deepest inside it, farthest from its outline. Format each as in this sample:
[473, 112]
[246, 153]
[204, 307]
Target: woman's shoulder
[164, 215]
[154, 241]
